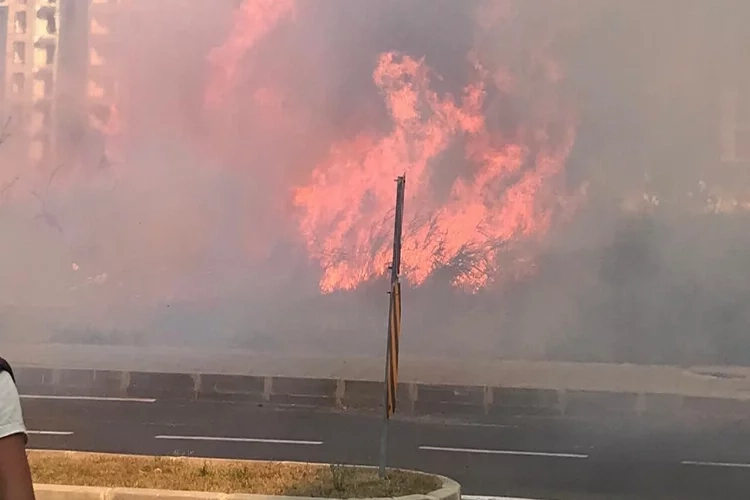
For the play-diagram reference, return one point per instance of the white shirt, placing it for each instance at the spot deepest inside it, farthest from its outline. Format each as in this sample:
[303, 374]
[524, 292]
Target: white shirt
[11, 416]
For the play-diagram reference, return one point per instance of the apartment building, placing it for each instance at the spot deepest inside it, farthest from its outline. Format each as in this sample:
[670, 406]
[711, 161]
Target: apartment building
[31, 41]
[56, 82]
[101, 85]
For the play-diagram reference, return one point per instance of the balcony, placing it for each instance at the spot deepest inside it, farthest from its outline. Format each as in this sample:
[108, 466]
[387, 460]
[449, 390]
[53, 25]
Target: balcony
[100, 90]
[19, 23]
[44, 55]
[19, 53]
[98, 28]
[104, 12]
[100, 51]
[18, 84]
[44, 86]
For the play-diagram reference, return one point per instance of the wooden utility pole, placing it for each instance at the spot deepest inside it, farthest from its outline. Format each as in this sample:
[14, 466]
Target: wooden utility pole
[394, 327]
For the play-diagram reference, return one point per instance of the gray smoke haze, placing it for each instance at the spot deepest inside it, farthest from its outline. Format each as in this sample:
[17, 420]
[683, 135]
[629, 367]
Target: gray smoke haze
[188, 237]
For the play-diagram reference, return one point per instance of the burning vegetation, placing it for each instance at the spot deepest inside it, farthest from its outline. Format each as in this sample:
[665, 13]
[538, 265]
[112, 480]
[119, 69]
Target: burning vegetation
[484, 178]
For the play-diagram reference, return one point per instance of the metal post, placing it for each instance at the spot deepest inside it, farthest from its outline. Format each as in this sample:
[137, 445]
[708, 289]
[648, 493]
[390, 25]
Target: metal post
[395, 270]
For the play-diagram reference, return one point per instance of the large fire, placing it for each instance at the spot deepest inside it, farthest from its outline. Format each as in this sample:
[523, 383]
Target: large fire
[502, 192]
[255, 18]
[347, 206]
[321, 128]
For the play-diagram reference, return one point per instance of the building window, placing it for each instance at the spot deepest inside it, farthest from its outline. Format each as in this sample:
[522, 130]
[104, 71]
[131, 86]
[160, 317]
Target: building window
[50, 51]
[43, 86]
[19, 52]
[47, 15]
[20, 22]
[19, 79]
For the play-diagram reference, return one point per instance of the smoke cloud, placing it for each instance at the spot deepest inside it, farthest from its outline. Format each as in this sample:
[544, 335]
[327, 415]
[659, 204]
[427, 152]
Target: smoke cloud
[570, 191]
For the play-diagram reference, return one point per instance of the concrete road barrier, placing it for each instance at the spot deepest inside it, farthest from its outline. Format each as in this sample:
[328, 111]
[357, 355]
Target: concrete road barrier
[450, 400]
[483, 390]
[233, 388]
[414, 399]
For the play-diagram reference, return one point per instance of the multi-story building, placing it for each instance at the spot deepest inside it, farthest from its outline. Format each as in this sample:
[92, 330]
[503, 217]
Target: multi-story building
[102, 75]
[56, 85]
[29, 68]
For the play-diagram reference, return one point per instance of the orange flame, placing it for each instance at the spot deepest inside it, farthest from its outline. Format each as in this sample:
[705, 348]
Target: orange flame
[504, 191]
[255, 19]
[346, 208]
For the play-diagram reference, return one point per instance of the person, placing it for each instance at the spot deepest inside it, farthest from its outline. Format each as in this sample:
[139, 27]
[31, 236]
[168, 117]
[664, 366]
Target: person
[15, 475]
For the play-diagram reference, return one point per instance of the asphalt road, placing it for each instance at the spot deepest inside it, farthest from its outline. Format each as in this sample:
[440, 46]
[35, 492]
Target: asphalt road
[531, 458]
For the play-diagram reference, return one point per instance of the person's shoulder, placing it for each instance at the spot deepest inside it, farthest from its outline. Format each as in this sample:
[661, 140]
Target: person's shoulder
[7, 385]
[8, 392]
[11, 416]
[6, 368]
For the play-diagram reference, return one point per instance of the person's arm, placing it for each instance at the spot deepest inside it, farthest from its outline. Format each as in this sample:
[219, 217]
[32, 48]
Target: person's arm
[15, 476]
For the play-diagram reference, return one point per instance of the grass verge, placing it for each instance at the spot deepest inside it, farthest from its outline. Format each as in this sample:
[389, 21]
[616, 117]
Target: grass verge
[225, 476]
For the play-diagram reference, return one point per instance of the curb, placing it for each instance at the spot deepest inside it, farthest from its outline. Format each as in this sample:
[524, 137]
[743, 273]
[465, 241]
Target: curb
[415, 399]
[450, 489]
[61, 492]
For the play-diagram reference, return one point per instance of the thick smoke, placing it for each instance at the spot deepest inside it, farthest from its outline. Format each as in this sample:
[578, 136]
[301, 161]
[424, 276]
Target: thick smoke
[191, 233]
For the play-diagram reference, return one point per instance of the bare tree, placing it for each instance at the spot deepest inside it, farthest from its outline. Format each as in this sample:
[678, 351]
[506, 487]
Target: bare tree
[45, 214]
[5, 188]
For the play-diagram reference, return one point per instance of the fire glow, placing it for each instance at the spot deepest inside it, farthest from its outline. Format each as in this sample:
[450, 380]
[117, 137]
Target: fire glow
[254, 19]
[504, 195]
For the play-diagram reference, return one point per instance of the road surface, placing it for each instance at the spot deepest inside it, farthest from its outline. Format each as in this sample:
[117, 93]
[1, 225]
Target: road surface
[531, 458]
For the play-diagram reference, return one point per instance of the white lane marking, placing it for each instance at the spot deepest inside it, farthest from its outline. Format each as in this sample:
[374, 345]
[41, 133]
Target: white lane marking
[50, 433]
[454, 423]
[483, 497]
[503, 452]
[715, 464]
[88, 398]
[239, 439]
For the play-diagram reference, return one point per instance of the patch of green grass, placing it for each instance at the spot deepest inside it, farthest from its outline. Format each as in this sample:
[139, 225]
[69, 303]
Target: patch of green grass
[269, 478]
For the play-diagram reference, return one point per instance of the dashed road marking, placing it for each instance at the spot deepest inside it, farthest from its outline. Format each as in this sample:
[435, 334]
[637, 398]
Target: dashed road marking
[716, 464]
[480, 451]
[88, 398]
[240, 440]
[484, 497]
[50, 433]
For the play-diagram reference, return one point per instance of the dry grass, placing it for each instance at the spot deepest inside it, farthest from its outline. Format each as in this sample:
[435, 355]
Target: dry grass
[268, 478]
